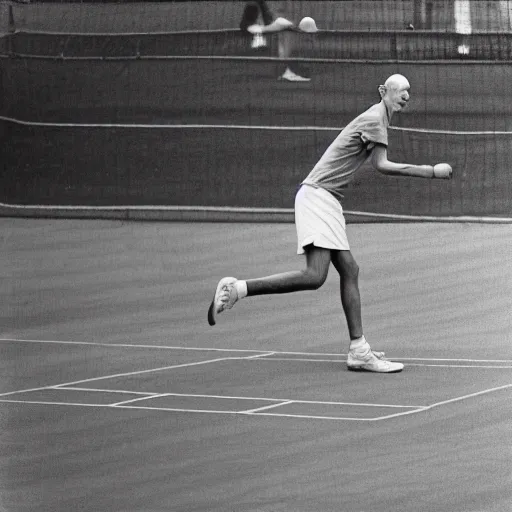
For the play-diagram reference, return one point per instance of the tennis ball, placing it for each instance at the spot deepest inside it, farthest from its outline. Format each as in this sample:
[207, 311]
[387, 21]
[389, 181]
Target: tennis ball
[308, 24]
[443, 171]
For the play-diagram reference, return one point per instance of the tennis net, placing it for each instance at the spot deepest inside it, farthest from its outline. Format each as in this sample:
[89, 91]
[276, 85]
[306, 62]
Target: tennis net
[244, 168]
[198, 120]
[112, 16]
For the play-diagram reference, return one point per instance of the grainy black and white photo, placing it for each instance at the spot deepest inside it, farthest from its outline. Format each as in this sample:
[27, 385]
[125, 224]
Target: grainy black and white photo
[256, 256]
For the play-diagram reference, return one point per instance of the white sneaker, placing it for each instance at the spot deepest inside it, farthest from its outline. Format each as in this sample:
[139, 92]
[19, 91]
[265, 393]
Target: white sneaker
[290, 76]
[371, 362]
[224, 298]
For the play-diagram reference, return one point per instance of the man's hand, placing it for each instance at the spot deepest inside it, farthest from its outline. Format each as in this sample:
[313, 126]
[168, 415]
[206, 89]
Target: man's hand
[443, 171]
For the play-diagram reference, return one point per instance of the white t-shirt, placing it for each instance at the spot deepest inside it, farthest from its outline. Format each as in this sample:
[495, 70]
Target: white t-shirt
[351, 148]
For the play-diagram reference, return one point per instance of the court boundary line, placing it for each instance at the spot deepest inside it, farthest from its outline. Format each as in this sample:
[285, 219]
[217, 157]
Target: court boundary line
[116, 375]
[204, 411]
[128, 404]
[255, 413]
[396, 358]
[251, 398]
[257, 352]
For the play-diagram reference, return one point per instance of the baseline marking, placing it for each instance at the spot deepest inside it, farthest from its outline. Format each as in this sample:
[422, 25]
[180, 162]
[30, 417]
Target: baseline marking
[140, 372]
[266, 407]
[126, 374]
[245, 413]
[397, 359]
[150, 395]
[236, 350]
[471, 395]
[255, 413]
[128, 345]
[124, 402]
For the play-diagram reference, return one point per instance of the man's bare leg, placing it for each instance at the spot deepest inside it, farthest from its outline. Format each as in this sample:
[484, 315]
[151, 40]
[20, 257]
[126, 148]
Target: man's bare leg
[311, 278]
[348, 270]
[360, 356]
[230, 290]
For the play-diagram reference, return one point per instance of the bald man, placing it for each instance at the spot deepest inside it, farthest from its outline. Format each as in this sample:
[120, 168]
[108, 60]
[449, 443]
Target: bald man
[320, 222]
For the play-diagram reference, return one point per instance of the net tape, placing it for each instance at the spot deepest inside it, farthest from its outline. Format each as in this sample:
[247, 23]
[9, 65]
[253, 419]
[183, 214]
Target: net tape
[326, 45]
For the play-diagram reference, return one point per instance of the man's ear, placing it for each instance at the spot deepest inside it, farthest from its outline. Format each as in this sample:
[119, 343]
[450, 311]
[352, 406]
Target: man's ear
[382, 90]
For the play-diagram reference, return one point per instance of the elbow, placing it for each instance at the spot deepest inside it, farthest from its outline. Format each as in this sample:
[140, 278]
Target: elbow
[382, 168]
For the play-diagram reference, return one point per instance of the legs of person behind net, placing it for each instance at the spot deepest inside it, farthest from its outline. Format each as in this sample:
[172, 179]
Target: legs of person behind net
[285, 48]
[285, 38]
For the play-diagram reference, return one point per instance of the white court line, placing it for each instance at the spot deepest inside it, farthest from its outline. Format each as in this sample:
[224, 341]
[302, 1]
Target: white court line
[396, 359]
[305, 416]
[207, 411]
[462, 365]
[124, 402]
[141, 372]
[347, 418]
[236, 350]
[26, 390]
[42, 402]
[113, 376]
[266, 407]
[257, 356]
[341, 418]
[109, 406]
[471, 395]
[253, 398]
[128, 345]
[59, 387]
[180, 394]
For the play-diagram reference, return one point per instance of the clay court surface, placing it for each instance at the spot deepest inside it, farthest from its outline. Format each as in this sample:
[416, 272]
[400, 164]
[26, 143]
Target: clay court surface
[117, 396]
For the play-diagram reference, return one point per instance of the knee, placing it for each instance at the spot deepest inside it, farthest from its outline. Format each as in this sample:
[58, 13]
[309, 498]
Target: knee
[314, 280]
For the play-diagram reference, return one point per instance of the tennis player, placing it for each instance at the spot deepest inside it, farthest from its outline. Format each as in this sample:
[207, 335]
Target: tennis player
[280, 24]
[320, 222]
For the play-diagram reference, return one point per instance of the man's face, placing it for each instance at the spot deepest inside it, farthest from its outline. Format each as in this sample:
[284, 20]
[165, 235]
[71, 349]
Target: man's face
[397, 95]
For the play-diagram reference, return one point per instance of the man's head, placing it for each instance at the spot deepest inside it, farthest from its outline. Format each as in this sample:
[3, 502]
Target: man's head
[395, 92]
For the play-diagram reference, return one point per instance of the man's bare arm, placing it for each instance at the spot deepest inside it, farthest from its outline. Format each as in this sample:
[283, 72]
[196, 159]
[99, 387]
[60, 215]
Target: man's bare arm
[382, 164]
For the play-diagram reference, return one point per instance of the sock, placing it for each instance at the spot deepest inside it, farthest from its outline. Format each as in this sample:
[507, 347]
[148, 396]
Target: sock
[241, 289]
[358, 343]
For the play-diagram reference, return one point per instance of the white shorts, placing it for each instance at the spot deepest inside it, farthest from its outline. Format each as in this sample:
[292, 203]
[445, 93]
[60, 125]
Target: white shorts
[319, 220]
